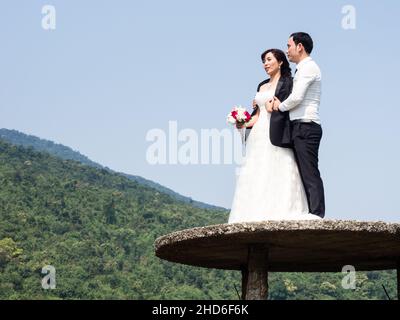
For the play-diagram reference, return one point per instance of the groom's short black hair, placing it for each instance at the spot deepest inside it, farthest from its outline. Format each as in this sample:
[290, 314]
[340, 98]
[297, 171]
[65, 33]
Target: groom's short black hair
[304, 39]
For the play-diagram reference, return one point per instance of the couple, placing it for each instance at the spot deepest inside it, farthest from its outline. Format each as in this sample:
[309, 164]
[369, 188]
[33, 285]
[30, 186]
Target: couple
[279, 177]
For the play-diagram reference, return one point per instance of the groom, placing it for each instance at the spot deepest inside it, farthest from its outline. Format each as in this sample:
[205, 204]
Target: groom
[303, 105]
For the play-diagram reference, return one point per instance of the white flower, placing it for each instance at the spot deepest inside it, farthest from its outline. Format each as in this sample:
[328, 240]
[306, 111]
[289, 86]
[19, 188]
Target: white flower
[240, 116]
[231, 119]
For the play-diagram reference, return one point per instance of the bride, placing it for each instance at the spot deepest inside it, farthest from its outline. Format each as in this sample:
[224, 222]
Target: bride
[269, 186]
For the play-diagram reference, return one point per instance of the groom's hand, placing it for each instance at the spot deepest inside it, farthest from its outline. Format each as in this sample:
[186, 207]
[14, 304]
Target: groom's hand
[276, 104]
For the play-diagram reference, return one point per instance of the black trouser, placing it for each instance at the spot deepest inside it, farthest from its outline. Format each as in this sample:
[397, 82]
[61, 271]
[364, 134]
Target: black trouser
[306, 137]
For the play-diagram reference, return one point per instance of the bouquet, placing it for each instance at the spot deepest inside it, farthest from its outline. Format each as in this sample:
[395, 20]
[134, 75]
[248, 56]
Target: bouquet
[239, 115]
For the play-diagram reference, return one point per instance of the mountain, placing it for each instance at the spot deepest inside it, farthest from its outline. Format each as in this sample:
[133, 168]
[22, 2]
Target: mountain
[66, 153]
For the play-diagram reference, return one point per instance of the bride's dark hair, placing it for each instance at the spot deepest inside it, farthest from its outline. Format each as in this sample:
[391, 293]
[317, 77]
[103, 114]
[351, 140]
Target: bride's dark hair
[279, 55]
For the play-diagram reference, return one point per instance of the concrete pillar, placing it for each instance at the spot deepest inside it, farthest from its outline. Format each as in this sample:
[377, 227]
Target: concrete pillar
[255, 274]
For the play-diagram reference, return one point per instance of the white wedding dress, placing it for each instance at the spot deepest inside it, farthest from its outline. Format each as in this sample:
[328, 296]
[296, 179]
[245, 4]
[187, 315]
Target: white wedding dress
[268, 186]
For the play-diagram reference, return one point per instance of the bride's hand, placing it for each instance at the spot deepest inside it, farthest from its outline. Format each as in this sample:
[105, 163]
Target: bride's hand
[276, 104]
[270, 105]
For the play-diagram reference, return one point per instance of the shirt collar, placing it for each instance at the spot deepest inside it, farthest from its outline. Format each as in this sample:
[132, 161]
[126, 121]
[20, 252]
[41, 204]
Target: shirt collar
[302, 62]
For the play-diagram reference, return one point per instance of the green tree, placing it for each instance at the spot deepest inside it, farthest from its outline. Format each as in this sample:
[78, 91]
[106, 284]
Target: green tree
[110, 212]
[8, 251]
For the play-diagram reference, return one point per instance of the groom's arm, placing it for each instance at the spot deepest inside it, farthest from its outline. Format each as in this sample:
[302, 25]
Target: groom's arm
[303, 80]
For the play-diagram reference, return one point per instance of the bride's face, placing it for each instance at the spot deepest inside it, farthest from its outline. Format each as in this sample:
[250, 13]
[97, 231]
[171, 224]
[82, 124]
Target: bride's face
[271, 64]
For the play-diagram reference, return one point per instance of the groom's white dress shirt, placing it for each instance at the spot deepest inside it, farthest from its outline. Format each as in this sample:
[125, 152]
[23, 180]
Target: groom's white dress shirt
[303, 102]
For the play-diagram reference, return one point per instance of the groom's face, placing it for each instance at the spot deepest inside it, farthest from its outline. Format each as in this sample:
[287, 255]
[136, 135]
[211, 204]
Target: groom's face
[292, 51]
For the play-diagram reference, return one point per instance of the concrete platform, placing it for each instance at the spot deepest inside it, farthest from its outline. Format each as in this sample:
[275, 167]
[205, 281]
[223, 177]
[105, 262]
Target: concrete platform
[285, 246]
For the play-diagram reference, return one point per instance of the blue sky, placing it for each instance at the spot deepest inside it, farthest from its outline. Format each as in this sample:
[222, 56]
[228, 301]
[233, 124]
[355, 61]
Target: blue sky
[113, 70]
